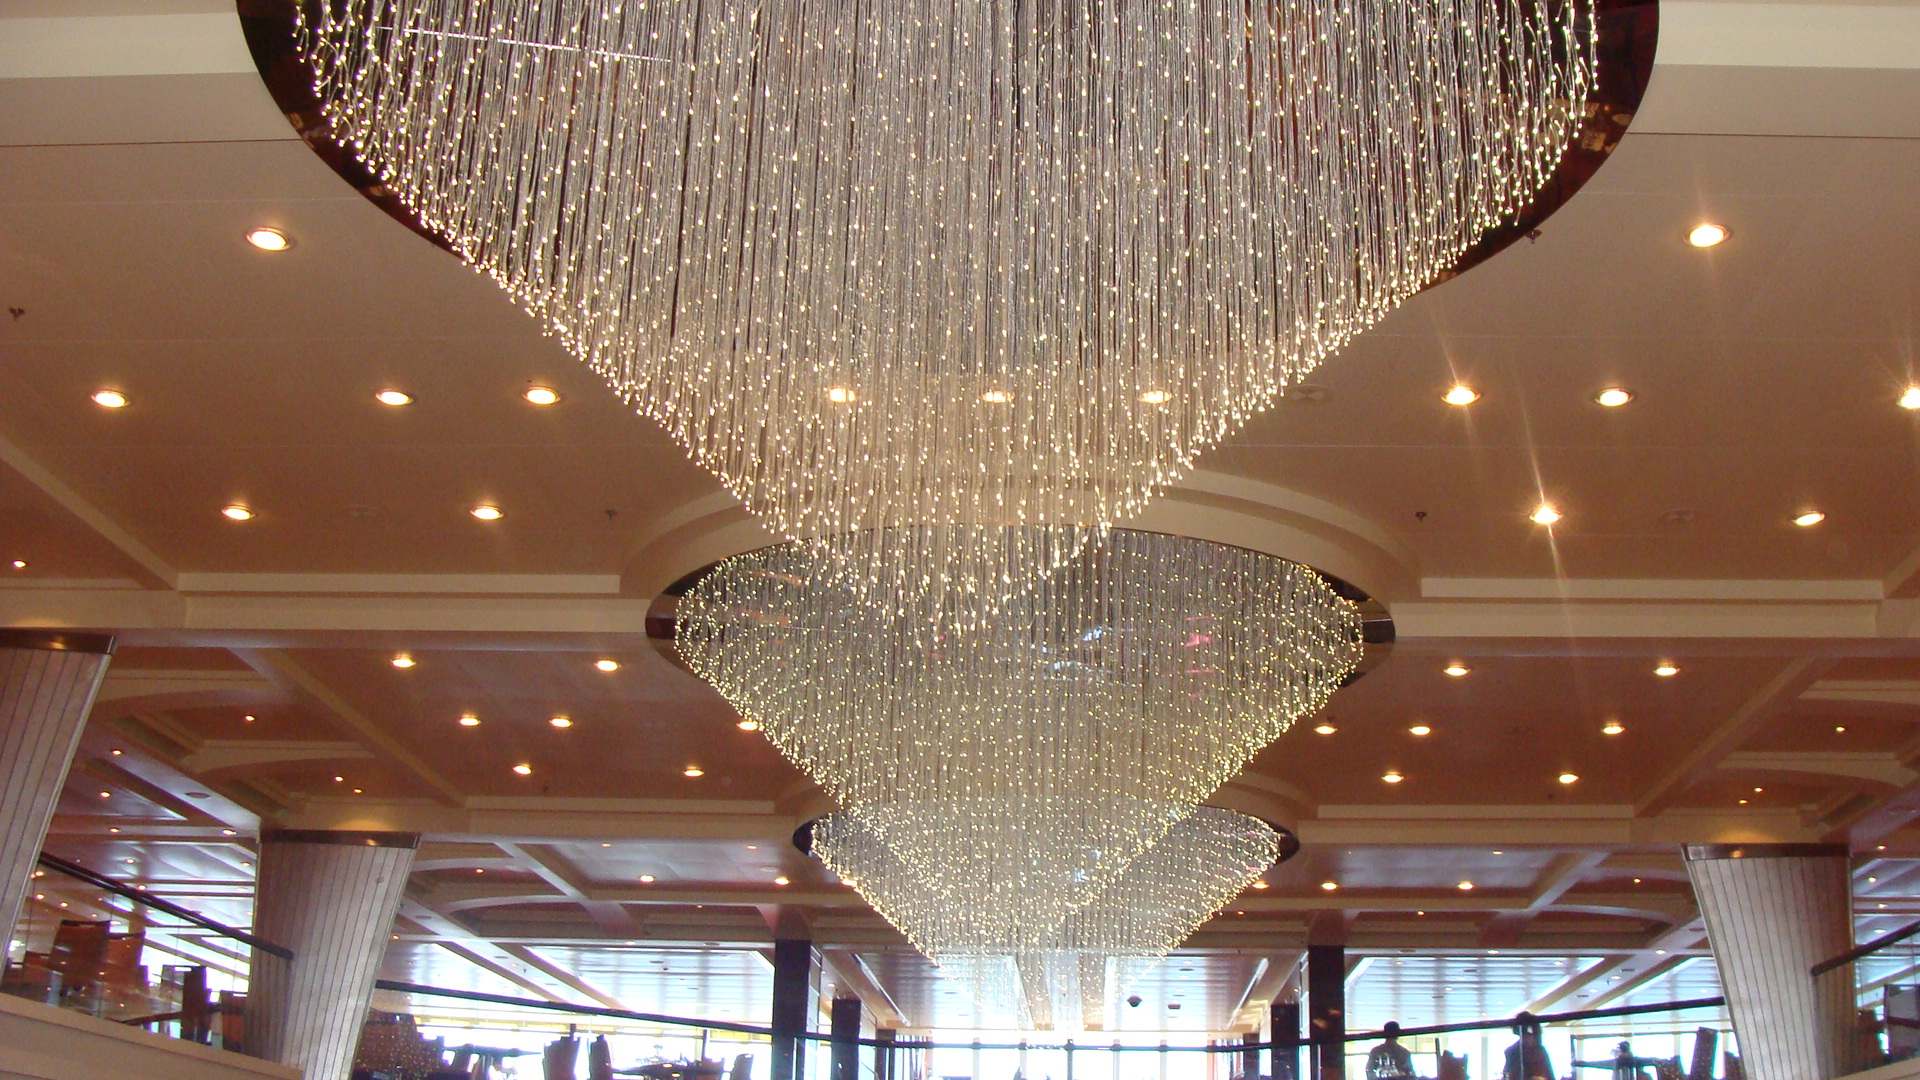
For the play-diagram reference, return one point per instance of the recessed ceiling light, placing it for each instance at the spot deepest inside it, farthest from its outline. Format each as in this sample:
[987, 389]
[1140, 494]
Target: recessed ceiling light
[1759, 790]
[607, 665]
[110, 399]
[996, 397]
[393, 397]
[693, 771]
[1612, 727]
[1325, 729]
[523, 770]
[1465, 886]
[236, 512]
[1840, 729]
[1743, 802]
[359, 791]
[1460, 394]
[1809, 517]
[228, 832]
[1910, 399]
[1545, 514]
[339, 779]
[1259, 884]
[1392, 777]
[748, 725]
[248, 718]
[561, 722]
[116, 751]
[486, 512]
[269, 239]
[1330, 885]
[469, 720]
[19, 564]
[1614, 396]
[1667, 669]
[1569, 778]
[780, 881]
[841, 395]
[1156, 397]
[1456, 669]
[403, 660]
[116, 828]
[542, 395]
[1707, 234]
[646, 879]
[1419, 729]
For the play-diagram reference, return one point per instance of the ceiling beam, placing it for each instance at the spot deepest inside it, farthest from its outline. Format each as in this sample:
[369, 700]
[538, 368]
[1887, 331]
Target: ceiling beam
[1772, 697]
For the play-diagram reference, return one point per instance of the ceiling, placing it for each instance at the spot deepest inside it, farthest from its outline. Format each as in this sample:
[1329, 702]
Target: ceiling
[255, 682]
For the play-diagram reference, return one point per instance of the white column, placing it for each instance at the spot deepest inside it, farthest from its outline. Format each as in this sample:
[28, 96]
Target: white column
[47, 683]
[1773, 911]
[331, 897]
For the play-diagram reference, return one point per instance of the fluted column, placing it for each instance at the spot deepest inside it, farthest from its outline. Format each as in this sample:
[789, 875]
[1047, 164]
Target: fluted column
[47, 683]
[1773, 911]
[331, 897]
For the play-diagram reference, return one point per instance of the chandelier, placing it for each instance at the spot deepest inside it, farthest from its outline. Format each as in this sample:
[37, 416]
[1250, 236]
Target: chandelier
[1023, 759]
[1083, 959]
[955, 262]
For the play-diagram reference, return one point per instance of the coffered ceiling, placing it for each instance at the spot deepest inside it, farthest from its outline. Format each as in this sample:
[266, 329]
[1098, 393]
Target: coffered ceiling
[255, 683]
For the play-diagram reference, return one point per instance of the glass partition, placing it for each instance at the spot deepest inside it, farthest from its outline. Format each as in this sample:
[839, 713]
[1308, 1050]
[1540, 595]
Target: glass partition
[91, 944]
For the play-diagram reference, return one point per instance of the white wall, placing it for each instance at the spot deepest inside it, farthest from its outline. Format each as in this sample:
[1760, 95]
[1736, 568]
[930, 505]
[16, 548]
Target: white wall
[38, 1042]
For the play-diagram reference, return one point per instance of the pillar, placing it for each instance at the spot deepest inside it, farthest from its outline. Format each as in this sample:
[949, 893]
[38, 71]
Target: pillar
[1284, 1022]
[1772, 912]
[1250, 1057]
[331, 897]
[883, 1053]
[846, 1039]
[1327, 1008]
[47, 684]
[793, 1003]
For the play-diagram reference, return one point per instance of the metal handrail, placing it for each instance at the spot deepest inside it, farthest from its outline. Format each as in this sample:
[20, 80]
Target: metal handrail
[1862, 951]
[100, 881]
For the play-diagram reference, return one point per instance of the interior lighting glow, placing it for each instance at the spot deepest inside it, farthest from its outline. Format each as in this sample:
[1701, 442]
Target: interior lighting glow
[607, 665]
[780, 881]
[1465, 886]
[1810, 517]
[487, 513]
[1460, 394]
[1569, 778]
[1840, 730]
[748, 725]
[393, 397]
[842, 395]
[19, 564]
[403, 661]
[523, 770]
[1392, 777]
[469, 720]
[269, 239]
[1325, 729]
[1707, 234]
[1330, 885]
[996, 397]
[1456, 669]
[561, 722]
[1613, 727]
[1420, 729]
[1614, 396]
[1259, 884]
[1156, 397]
[1545, 514]
[542, 395]
[236, 512]
[646, 879]
[1910, 399]
[1667, 669]
[693, 771]
[110, 399]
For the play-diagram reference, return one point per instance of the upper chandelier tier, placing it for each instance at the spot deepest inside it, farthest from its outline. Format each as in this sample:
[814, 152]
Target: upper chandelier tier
[955, 261]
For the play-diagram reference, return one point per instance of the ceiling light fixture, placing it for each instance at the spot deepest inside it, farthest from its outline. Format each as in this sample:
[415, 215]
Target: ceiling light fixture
[1545, 514]
[748, 725]
[1392, 776]
[996, 397]
[542, 395]
[523, 770]
[19, 564]
[561, 722]
[1569, 778]
[1456, 669]
[721, 327]
[1325, 729]
[1910, 398]
[1420, 729]
[1259, 885]
[1808, 518]
[1330, 886]
[1612, 727]
[1667, 669]
[237, 512]
[1460, 394]
[249, 718]
[110, 399]
[781, 880]
[607, 665]
[1613, 397]
[403, 661]
[393, 397]
[1156, 397]
[1465, 886]
[1840, 729]
[469, 720]
[486, 512]
[646, 879]
[1707, 234]
[269, 239]
[693, 771]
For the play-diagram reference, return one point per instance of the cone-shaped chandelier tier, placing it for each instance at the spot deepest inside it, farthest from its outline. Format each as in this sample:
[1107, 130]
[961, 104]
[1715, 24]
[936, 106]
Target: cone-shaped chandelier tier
[1080, 717]
[955, 261]
[1074, 964]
